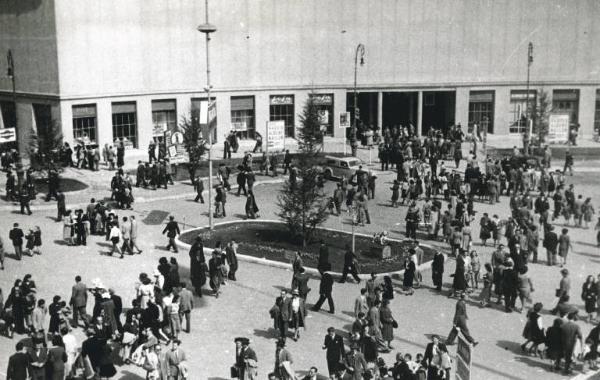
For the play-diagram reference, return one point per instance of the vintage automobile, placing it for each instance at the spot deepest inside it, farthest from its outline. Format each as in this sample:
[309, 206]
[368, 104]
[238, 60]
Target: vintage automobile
[335, 167]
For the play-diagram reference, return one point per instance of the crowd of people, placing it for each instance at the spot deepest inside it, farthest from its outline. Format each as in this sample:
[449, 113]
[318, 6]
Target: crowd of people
[148, 333]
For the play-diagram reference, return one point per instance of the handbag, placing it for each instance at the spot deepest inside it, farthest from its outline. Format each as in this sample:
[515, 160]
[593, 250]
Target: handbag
[394, 324]
[234, 372]
[557, 292]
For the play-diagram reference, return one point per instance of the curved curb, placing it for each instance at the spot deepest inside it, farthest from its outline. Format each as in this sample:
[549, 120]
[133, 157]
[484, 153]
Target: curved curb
[282, 265]
[137, 199]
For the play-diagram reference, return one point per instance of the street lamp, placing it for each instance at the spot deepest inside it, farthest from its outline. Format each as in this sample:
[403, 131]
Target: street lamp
[360, 50]
[207, 29]
[526, 134]
[10, 72]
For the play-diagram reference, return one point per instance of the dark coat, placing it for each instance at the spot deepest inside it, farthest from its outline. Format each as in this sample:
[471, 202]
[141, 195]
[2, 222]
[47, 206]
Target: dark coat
[335, 348]
[326, 285]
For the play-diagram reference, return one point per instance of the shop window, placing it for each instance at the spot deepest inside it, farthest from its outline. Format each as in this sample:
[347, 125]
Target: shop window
[164, 116]
[324, 103]
[518, 109]
[566, 102]
[481, 110]
[597, 113]
[281, 107]
[124, 123]
[242, 116]
[85, 123]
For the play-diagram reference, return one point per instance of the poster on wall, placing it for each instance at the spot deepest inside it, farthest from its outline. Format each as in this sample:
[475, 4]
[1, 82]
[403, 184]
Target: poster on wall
[275, 135]
[558, 128]
[323, 117]
[344, 120]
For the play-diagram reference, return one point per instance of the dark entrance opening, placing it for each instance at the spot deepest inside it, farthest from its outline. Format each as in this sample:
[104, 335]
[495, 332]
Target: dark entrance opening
[367, 106]
[438, 110]
[399, 108]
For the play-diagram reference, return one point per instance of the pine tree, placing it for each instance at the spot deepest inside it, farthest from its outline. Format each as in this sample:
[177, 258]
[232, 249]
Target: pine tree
[540, 110]
[302, 204]
[193, 142]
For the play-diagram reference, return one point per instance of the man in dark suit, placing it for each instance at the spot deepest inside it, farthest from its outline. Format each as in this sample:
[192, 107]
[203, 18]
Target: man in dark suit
[460, 323]
[323, 258]
[79, 301]
[16, 235]
[37, 361]
[172, 230]
[334, 344]
[18, 363]
[325, 289]
[285, 313]
[118, 308]
[435, 348]
[349, 266]
[301, 282]
[437, 270]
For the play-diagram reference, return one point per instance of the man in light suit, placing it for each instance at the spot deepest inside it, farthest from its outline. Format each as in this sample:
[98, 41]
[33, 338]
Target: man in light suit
[79, 301]
[361, 304]
[175, 358]
[126, 234]
[355, 363]
[186, 304]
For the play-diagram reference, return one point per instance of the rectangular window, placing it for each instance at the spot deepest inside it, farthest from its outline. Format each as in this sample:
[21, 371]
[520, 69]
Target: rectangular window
[84, 123]
[481, 110]
[124, 123]
[8, 115]
[597, 113]
[518, 109]
[242, 116]
[324, 103]
[566, 102]
[164, 116]
[281, 107]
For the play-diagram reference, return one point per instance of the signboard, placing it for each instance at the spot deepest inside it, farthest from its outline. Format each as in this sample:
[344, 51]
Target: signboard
[282, 100]
[344, 120]
[239, 126]
[463, 359]
[7, 135]
[177, 138]
[212, 112]
[175, 149]
[323, 117]
[158, 130]
[275, 135]
[322, 99]
[558, 128]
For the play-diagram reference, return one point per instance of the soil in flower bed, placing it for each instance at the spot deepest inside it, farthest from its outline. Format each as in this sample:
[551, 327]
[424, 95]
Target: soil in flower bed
[274, 242]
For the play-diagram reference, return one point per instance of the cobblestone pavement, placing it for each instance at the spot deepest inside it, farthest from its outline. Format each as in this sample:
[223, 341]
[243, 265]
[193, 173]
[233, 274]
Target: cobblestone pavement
[243, 307]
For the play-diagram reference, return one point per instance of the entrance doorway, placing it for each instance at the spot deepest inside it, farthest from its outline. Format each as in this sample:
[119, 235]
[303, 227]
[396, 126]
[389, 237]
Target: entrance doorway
[438, 110]
[399, 108]
[367, 106]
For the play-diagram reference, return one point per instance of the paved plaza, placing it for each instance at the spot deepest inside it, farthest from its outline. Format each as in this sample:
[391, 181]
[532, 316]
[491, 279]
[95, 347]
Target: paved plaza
[242, 309]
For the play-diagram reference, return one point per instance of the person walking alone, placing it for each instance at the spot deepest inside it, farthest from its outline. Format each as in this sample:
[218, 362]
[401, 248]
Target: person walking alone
[325, 290]
[172, 230]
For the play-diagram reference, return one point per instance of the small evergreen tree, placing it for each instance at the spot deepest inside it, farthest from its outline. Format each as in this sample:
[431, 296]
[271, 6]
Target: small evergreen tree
[302, 204]
[193, 142]
[540, 110]
[45, 144]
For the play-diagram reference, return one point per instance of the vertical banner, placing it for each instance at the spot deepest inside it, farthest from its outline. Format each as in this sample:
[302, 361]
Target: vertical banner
[463, 359]
[276, 135]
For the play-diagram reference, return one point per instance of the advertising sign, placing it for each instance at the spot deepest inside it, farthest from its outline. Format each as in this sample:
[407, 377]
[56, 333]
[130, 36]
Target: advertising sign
[275, 135]
[7, 135]
[558, 128]
[175, 148]
[463, 359]
[323, 117]
[282, 100]
[344, 120]
[159, 129]
[239, 126]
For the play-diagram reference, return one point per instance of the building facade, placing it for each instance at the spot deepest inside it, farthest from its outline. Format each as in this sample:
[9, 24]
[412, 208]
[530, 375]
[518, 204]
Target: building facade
[130, 68]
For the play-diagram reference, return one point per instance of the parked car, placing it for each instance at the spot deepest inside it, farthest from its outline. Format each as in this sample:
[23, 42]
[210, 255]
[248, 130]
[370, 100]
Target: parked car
[335, 167]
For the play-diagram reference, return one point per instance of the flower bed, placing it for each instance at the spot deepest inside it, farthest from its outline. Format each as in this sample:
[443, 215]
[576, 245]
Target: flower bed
[272, 241]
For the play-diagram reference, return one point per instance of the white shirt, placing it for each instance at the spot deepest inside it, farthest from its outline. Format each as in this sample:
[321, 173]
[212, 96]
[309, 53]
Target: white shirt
[295, 304]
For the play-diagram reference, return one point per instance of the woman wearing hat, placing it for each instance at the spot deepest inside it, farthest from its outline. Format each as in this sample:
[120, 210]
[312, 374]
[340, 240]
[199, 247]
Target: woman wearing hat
[298, 319]
[214, 270]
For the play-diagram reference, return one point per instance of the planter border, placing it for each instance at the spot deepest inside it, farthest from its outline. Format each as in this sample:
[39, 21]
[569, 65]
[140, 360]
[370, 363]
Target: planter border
[282, 265]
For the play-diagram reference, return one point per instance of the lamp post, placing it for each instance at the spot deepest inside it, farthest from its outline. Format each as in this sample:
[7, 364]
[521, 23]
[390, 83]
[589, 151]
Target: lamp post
[207, 29]
[526, 134]
[10, 72]
[360, 50]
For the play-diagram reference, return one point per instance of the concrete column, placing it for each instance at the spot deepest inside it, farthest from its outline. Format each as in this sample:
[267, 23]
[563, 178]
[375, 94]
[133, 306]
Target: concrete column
[24, 112]
[419, 113]
[502, 116]
[261, 113]
[587, 110]
[339, 105]
[104, 134]
[461, 113]
[143, 108]
[66, 122]
[380, 111]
